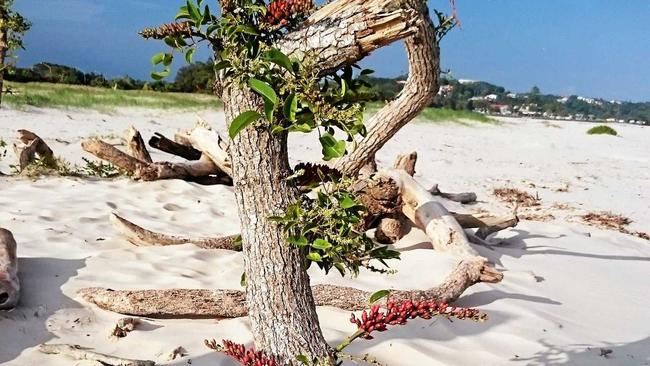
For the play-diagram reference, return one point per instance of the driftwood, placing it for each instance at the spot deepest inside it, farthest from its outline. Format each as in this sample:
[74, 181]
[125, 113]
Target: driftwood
[162, 143]
[485, 223]
[135, 145]
[406, 162]
[205, 139]
[79, 353]
[466, 197]
[141, 170]
[390, 230]
[430, 216]
[9, 282]
[31, 146]
[194, 303]
[140, 236]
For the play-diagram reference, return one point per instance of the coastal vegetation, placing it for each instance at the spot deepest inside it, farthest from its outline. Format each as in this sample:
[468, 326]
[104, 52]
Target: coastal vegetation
[602, 130]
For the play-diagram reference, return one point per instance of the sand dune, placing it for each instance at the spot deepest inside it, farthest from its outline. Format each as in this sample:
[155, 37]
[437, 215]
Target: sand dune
[569, 291]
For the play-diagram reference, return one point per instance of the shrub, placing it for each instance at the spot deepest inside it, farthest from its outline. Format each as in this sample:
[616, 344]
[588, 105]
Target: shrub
[602, 130]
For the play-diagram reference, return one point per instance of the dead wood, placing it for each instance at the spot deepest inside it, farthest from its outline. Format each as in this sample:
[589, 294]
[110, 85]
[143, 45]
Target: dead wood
[406, 162]
[140, 236]
[516, 197]
[466, 197]
[390, 230]
[205, 139]
[195, 303]
[124, 326]
[135, 145]
[486, 224]
[79, 353]
[30, 147]
[429, 215]
[141, 170]
[9, 281]
[162, 143]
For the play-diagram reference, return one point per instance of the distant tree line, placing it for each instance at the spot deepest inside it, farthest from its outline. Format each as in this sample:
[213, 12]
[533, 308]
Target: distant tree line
[194, 78]
[198, 77]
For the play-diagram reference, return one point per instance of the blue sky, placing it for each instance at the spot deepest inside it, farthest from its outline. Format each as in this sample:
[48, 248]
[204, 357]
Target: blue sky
[598, 48]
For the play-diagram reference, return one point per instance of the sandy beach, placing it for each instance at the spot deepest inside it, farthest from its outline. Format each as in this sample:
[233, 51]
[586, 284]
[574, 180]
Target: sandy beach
[571, 292]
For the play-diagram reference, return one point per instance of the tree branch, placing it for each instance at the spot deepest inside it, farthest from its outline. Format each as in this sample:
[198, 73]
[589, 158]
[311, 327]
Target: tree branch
[192, 304]
[78, 353]
[9, 281]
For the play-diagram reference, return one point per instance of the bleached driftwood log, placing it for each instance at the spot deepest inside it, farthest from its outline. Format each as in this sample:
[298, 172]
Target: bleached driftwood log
[141, 170]
[406, 162]
[135, 145]
[79, 353]
[9, 282]
[140, 236]
[31, 146]
[162, 143]
[202, 137]
[486, 224]
[195, 303]
[429, 215]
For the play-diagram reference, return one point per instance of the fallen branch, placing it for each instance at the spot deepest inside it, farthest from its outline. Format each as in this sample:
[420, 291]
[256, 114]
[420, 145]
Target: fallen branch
[78, 353]
[194, 303]
[430, 216]
[9, 281]
[135, 145]
[162, 143]
[205, 139]
[140, 236]
[486, 224]
[406, 162]
[141, 170]
[466, 197]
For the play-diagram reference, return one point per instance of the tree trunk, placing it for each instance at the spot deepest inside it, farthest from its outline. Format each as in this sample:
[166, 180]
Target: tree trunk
[281, 305]
[3, 55]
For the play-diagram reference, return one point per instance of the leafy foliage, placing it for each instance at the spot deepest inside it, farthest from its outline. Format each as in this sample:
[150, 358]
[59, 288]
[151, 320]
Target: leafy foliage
[326, 229]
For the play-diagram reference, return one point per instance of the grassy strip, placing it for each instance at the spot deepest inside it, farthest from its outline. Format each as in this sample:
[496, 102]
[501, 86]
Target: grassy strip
[441, 115]
[74, 96]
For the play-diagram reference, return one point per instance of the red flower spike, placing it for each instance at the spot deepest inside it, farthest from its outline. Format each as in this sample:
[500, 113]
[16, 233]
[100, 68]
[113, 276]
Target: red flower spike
[241, 354]
[398, 313]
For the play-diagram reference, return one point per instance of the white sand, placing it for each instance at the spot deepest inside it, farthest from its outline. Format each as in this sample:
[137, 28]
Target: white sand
[592, 289]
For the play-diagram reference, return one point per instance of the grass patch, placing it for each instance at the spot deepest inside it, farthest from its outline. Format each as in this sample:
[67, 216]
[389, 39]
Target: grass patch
[440, 115]
[47, 95]
[602, 130]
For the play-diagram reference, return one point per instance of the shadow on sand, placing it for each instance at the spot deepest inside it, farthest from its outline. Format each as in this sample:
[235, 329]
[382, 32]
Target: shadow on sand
[27, 325]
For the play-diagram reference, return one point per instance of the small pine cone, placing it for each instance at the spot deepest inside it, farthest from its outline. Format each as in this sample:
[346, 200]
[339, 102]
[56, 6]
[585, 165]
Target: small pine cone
[167, 30]
[301, 6]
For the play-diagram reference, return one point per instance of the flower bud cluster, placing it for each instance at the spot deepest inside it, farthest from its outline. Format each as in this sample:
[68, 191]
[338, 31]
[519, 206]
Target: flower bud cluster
[167, 30]
[241, 354]
[280, 12]
[398, 313]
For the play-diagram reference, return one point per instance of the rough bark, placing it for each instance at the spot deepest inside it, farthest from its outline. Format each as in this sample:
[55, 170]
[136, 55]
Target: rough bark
[3, 55]
[195, 303]
[279, 283]
[79, 353]
[140, 236]
[421, 86]
[9, 282]
[141, 170]
[135, 145]
[390, 230]
[162, 143]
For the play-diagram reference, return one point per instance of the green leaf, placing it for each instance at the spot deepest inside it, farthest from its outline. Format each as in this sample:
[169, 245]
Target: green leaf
[168, 59]
[242, 121]
[367, 72]
[269, 109]
[264, 89]
[347, 202]
[321, 244]
[160, 74]
[182, 13]
[303, 359]
[247, 29]
[299, 241]
[378, 296]
[344, 87]
[194, 12]
[157, 58]
[314, 257]
[277, 57]
[290, 107]
[242, 280]
[302, 127]
[189, 55]
[332, 148]
[221, 65]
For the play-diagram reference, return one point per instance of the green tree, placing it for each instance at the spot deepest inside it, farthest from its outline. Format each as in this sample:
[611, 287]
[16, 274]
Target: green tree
[12, 28]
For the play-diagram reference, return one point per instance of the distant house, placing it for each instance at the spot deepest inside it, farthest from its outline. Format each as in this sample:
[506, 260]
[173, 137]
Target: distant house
[563, 100]
[512, 95]
[446, 90]
[491, 97]
[502, 109]
[467, 81]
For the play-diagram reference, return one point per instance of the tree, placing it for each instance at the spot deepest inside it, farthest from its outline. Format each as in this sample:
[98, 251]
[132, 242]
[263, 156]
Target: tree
[12, 27]
[280, 71]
